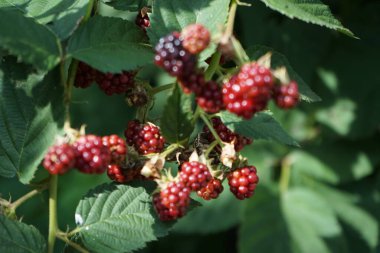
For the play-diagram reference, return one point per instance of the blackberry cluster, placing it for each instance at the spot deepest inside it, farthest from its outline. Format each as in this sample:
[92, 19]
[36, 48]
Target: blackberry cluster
[226, 135]
[243, 182]
[59, 159]
[194, 175]
[172, 201]
[210, 98]
[115, 83]
[249, 91]
[145, 138]
[286, 96]
[211, 190]
[173, 57]
[109, 83]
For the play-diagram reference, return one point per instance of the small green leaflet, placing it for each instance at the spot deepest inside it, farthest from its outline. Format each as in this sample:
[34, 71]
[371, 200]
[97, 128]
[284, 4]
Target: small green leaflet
[32, 42]
[261, 126]
[176, 122]
[18, 237]
[310, 11]
[116, 218]
[173, 15]
[110, 45]
[279, 60]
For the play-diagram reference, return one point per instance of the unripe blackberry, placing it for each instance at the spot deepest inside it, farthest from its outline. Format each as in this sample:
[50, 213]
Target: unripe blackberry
[117, 148]
[59, 159]
[145, 138]
[171, 203]
[286, 96]
[194, 82]
[210, 99]
[211, 190]
[91, 155]
[195, 38]
[172, 57]
[115, 83]
[123, 174]
[243, 182]
[142, 19]
[85, 75]
[226, 135]
[248, 91]
[194, 175]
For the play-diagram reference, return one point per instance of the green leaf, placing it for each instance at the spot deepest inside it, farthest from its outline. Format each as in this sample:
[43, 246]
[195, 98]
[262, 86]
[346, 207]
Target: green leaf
[176, 122]
[172, 15]
[279, 60]
[261, 126]
[296, 221]
[336, 163]
[219, 215]
[310, 11]
[131, 5]
[32, 42]
[17, 237]
[116, 218]
[31, 114]
[110, 45]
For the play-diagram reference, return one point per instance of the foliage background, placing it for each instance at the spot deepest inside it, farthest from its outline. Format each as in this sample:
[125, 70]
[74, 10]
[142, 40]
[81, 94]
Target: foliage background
[339, 137]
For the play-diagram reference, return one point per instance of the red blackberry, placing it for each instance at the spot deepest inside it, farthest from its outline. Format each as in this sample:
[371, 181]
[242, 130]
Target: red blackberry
[142, 19]
[194, 175]
[286, 96]
[59, 159]
[226, 134]
[91, 156]
[85, 75]
[211, 190]
[123, 174]
[243, 182]
[172, 57]
[194, 82]
[171, 203]
[115, 83]
[248, 91]
[117, 147]
[145, 138]
[195, 38]
[210, 98]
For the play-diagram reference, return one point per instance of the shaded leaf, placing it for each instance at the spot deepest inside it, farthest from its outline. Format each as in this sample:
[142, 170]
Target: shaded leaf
[110, 45]
[17, 237]
[131, 5]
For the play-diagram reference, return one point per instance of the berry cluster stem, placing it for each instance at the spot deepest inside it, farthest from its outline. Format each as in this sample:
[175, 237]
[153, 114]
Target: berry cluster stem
[158, 89]
[53, 223]
[214, 64]
[63, 236]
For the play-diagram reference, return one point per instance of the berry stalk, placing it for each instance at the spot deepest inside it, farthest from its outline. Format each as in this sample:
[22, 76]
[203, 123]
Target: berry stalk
[53, 223]
[212, 130]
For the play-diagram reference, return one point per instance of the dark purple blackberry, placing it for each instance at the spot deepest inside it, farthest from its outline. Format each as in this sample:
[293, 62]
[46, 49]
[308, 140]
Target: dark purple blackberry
[172, 57]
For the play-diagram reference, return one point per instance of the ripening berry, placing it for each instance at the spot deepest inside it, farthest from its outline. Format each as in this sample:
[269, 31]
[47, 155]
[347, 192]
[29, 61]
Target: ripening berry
[115, 83]
[85, 75]
[117, 147]
[210, 98]
[286, 96]
[243, 182]
[194, 175]
[142, 20]
[59, 159]
[123, 174]
[195, 38]
[211, 190]
[248, 91]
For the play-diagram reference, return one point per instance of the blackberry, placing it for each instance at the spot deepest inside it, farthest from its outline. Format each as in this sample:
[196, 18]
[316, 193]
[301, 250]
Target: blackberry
[243, 182]
[248, 91]
[195, 38]
[85, 75]
[142, 19]
[117, 148]
[91, 156]
[211, 190]
[59, 159]
[145, 138]
[194, 82]
[115, 83]
[194, 175]
[123, 174]
[286, 96]
[172, 57]
[210, 99]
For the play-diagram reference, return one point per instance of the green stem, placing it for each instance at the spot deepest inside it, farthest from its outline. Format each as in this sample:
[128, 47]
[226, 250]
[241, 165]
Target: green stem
[213, 66]
[212, 130]
[231, 19]
[90, 6]
[53, 223]
[197, 113]
[285, 175]
[158, 89]
[24, 198]
[170, 149]
[63, 236]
